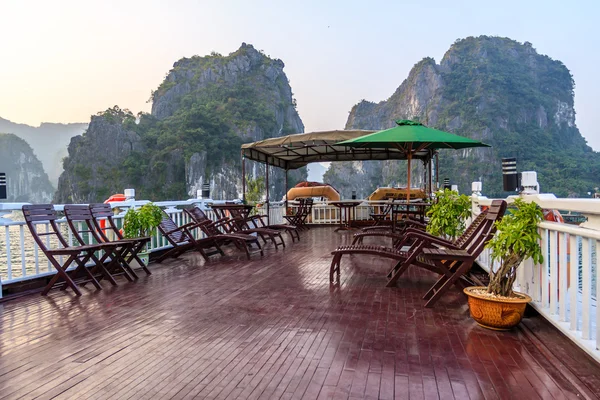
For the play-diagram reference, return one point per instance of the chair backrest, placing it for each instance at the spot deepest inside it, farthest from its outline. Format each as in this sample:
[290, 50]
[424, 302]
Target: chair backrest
[36, 213]
[494, 213]
[473, 227]
[77, 215]
[103, 217]
[199, 216]
[167, 225]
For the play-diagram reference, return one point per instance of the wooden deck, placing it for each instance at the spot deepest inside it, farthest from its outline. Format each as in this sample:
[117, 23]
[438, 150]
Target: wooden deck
[274, 328]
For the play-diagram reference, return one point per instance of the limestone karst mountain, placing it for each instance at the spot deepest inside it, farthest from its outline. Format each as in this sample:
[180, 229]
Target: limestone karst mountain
[201, 113]
[492, 89]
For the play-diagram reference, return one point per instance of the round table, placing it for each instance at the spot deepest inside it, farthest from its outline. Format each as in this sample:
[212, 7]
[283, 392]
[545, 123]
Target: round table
[346, 207]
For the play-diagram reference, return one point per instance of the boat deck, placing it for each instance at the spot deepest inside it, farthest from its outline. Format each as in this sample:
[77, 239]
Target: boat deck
[274, 328]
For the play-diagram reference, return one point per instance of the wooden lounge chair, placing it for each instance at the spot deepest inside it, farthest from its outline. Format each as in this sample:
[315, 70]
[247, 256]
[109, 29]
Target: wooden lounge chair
[109, 232]
[258, 221]
[420, 240]
[79, 218]
[455, 263]
[182, 240]
[212, 230]
[75, 255]
[239, 223]
[485, 222]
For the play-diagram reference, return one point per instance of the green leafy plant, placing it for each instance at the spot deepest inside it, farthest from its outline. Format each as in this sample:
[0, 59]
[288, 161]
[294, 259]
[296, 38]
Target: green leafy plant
[447, 215]
[254, 189]
[516, 240]
[142, 221]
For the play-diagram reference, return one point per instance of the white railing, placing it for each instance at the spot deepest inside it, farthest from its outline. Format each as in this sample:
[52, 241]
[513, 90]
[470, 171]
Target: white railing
[564, 288]
[21, 258]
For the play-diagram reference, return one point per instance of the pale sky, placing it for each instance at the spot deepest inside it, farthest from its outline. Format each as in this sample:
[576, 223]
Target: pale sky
[62, 61]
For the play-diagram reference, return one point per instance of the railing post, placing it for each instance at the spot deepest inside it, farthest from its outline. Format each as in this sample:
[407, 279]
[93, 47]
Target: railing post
[573, 282]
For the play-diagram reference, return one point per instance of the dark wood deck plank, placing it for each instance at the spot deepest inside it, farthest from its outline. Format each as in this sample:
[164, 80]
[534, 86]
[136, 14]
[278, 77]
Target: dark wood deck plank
[272, 328]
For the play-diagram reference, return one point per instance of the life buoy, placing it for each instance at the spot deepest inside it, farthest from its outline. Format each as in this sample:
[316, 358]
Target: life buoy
[113, 198]
[553, 216]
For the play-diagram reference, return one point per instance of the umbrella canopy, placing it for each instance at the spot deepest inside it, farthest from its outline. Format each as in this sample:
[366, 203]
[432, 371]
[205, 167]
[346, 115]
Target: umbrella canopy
[413, 138]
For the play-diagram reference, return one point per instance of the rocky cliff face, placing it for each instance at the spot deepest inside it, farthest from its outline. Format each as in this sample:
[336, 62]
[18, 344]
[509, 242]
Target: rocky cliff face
[26, 179]
[93, 169]
[244, 75]
[495, 90]
[49, 142]
[201, 114]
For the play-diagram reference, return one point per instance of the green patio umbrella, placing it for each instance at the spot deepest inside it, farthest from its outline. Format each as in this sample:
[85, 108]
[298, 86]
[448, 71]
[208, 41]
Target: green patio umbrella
[415, 139]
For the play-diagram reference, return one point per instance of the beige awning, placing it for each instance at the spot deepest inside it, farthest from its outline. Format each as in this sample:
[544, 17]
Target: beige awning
[295, 151]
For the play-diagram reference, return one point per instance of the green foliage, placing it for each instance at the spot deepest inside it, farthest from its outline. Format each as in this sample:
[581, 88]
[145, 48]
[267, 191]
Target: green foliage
[507, 95]
[143, 221]
[516, 240]
[448, 213]
[118, 115]
[254, 189]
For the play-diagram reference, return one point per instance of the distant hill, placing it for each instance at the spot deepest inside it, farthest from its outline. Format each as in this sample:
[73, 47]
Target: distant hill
[49, 142]
[26, 179]
[492, 89]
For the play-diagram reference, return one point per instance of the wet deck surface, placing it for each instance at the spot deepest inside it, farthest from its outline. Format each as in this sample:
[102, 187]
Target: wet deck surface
[271, 328]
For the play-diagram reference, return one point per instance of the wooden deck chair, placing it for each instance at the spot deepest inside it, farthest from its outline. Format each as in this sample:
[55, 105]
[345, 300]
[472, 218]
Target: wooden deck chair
[482, 223]
[81, 222]
[418, 241]
[258, 221]
[182, 240]
[75, 255]
[239, 223]
[212, 230]
[108, 231]
[456, 263]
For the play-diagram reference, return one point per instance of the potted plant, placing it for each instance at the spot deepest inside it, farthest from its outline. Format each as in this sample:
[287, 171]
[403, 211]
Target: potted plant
[447, 215]
[142, 222]
[516, 240]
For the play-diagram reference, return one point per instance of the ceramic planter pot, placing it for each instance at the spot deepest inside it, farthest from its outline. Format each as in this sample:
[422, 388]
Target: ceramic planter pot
[499, 314]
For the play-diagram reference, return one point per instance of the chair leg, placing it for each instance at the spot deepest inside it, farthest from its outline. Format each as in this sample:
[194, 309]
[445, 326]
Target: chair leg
[443, 284]
[105, 270]
[335, 266]
[81, 267]
[396, 272]
[61, 273]
[260, 248]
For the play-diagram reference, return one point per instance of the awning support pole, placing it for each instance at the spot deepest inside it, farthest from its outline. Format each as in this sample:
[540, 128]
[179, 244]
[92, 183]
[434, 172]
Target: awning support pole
[243, 179]
[437, 171]
[267, 185]
[286, 191]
